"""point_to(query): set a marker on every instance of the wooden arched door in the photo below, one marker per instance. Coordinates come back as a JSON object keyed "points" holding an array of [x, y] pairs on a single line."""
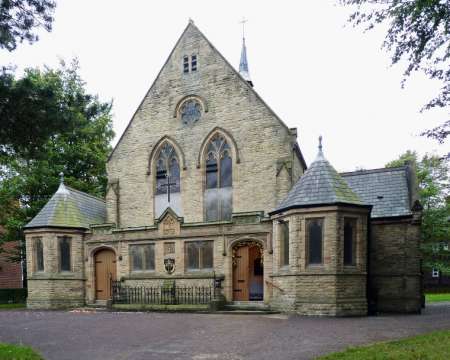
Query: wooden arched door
{"points": [[105, 271], [248, 273]]}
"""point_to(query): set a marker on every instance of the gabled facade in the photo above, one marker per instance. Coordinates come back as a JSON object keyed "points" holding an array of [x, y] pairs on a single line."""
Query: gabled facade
{"points": [[205, 184]]}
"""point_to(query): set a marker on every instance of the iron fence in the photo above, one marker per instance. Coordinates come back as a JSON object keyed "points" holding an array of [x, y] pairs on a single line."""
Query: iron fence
{"points": [[161, 295]]}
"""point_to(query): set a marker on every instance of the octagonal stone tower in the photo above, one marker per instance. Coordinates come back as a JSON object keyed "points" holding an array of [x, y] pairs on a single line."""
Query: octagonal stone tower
{"points": [[320, 248], [54, 243]]}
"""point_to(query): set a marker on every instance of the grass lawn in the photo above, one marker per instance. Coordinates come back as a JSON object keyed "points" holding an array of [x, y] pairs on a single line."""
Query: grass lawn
{"points": [[15, 352], [432, 346], [12, 306], [437, 297]]}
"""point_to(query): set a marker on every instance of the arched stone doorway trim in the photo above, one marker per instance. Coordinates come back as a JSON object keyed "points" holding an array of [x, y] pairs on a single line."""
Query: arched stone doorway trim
{"points": [[247, 269], [95, 250]]}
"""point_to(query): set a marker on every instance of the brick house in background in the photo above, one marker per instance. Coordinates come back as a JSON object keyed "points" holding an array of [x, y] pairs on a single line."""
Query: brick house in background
{"points": [[11, 274], [208, 183]]}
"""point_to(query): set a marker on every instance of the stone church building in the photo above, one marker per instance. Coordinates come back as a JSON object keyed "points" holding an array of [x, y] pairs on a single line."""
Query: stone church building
{"points": [[206, 183]]}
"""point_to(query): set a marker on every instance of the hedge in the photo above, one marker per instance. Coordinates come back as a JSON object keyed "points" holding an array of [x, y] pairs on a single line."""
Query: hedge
{"points": [[16, 296]]}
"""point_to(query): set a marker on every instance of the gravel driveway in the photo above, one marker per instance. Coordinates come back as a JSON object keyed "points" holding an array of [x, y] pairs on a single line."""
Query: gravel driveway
{"points": [[61, 335]]}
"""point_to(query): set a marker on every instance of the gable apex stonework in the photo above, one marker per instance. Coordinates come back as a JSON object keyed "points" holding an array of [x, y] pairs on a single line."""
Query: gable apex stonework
{"points": [[190, 31]]}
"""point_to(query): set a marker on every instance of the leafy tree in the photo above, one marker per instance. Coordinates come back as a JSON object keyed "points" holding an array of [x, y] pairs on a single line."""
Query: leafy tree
{"points": [[434, 193], [74, 139], [18, 19], [418, 32]]}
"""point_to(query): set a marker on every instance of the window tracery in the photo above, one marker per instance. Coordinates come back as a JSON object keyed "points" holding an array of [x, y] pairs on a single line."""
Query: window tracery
{"points": [[167, 179], [219, 173]]}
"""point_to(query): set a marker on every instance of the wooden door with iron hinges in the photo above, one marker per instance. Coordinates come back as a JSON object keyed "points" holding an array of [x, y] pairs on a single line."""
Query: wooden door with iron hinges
{"points": [[105, 272]]}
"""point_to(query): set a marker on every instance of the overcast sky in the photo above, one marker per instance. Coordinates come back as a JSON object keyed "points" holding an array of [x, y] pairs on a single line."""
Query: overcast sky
{"points": [[317, 73]]}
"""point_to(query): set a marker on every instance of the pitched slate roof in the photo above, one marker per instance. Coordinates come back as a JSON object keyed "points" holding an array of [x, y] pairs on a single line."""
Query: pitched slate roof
{"points": [[386, 189], [70, 208], [319, 185]]}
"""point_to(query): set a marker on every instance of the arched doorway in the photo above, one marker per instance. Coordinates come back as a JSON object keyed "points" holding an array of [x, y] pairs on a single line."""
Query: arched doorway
{"points": [[248, 272], [105, 272]]}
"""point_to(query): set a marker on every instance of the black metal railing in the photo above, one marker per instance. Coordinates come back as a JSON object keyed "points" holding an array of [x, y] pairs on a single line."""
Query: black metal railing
{"points": [[161, 295]]}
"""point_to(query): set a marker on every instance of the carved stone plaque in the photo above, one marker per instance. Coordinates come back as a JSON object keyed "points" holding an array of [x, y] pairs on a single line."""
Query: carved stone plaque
{"points": [[170, 226]]}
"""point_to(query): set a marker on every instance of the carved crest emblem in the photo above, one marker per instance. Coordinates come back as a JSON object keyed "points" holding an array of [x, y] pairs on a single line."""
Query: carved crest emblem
{"points": [[169, 264], [190, 111]]}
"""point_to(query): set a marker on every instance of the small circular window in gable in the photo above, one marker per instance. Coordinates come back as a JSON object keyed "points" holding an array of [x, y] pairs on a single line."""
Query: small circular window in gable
{"points": [[190, 111]]}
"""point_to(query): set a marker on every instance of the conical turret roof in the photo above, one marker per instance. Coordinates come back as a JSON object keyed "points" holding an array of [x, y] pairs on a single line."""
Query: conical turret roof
{"points": [[70, 208], [319, 185]]}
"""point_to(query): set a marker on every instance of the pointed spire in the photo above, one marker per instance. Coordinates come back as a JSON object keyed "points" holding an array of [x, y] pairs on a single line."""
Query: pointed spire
{"points": [[243, 64], [320, 153]]}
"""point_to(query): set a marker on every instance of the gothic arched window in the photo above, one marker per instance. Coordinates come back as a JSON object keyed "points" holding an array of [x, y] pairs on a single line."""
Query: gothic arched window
{"points": [[218, 189], [167, 192]]}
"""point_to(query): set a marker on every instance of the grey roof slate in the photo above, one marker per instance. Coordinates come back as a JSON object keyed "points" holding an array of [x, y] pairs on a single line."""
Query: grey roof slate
{"points": [[386, 189], [70, 208], [320, 184]]}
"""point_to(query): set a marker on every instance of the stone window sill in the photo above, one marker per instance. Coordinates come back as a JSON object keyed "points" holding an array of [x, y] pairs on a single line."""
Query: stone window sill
{"points": [[320, 267], [206, 271]]}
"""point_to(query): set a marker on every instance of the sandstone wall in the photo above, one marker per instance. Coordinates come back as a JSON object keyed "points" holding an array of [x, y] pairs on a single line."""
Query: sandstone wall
{"points": [[261, 138], [395, 265]]}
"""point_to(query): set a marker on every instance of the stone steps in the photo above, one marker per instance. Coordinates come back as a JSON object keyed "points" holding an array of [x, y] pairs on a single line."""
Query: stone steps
{"points": [[248, 307]]}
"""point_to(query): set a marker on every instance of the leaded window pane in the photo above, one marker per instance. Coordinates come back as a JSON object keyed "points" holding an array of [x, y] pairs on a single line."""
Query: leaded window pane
{"points": [[39, 255], [167, 165], [193, 256], [225, 171], [226, 207], [65, 253], [175, 176], [349, 241], [149, 256], [207, 255], [219, 175], [136, 258], [200, 255], [315, 240], [142, 257], [211, 173], [212, 204], [284, 227]]}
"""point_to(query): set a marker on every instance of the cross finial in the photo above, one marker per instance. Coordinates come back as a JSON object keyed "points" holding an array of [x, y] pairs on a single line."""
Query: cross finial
{"points": [[61, 177], [243, 21], [320, 143]]}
